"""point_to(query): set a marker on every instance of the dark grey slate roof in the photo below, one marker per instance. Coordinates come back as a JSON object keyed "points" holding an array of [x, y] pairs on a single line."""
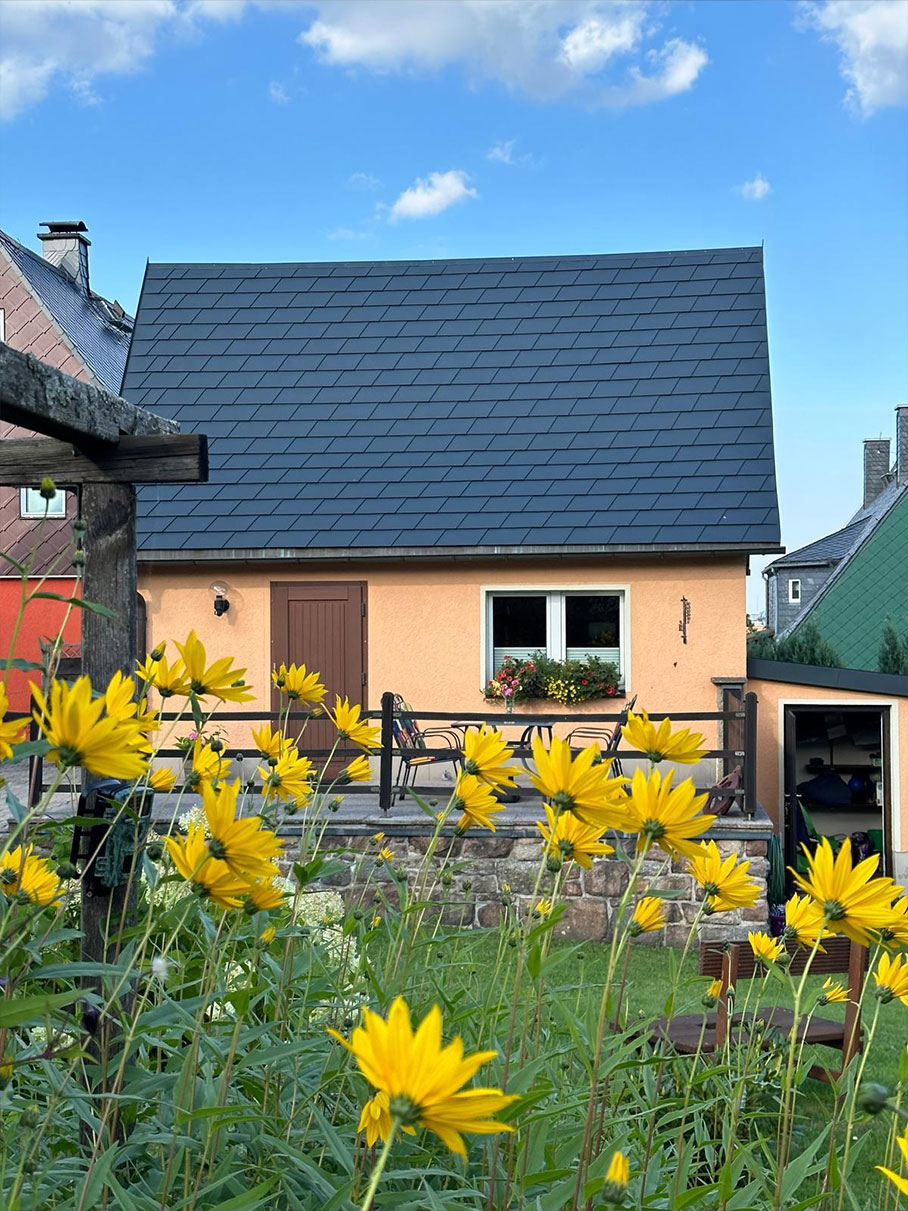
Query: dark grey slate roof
{"points": [[564, 402], [100, 340], [825, 550]]}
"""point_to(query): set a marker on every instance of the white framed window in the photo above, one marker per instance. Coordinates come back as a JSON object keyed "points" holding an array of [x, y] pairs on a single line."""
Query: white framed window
{"points": [[565, 624], [2, 324], [794, 592], [33, 504]]}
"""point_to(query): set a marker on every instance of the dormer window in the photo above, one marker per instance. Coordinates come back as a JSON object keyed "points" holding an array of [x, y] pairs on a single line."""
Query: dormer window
{"points": [[794, 592]]}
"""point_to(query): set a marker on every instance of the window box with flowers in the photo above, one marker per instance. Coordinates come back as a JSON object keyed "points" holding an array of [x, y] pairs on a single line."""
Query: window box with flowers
{"points": [[565, 645], [564, 681]]}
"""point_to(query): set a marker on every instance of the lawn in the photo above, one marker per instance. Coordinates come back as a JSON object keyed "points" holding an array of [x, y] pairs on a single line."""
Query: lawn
{"points": [[470, 957]]}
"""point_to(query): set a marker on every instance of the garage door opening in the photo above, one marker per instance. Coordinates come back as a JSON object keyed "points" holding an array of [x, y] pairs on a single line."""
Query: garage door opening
{"points": [[837, 781]]}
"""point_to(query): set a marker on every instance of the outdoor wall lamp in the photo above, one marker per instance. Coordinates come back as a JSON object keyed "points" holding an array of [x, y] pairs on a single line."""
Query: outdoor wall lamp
{"points": [[221, 604]]}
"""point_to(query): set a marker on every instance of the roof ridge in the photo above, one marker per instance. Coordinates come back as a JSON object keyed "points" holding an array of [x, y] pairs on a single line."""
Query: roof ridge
{"points": [[474, 260]]}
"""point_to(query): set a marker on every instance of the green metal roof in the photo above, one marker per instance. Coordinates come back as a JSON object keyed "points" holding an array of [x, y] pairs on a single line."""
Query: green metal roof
{"points": [[868, 587]]}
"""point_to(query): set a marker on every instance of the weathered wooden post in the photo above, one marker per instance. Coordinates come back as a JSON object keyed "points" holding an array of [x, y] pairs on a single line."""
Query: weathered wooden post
{"points": [[101, 446]]}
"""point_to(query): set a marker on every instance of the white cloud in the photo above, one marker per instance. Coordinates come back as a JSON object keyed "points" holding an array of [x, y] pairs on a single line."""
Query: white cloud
{"points": [[351, 233], [872, 37], [547, 48], [44, 39], [277, 93], [432, 195], [603, 52], [364, 181], [756, 189]]}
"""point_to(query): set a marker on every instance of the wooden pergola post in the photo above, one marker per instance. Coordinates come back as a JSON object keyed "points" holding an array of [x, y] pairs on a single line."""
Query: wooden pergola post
{"points": [[99, 444]]}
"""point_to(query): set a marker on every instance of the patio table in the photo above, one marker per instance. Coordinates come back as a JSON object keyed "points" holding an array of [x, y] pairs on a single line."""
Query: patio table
{"points": [[543, 730]]}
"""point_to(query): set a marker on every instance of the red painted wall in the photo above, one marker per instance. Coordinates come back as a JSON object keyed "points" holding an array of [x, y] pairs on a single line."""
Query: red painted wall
{"points": [[42, 620]]}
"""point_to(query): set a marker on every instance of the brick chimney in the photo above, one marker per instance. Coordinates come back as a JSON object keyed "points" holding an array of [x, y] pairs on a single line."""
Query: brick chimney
{"points": [[66, 246], [901, 444], [876, 467]]}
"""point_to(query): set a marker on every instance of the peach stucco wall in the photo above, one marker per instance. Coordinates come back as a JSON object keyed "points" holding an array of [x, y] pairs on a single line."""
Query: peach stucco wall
{"points": [[773, 695], [425, 621]]}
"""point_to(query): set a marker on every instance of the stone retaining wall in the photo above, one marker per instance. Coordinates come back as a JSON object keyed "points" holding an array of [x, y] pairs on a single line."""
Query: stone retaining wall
{"points": [[487, 871]]}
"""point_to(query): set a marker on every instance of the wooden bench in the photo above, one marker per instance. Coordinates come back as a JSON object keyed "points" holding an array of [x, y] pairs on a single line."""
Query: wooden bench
{"points": [[734, 962]]}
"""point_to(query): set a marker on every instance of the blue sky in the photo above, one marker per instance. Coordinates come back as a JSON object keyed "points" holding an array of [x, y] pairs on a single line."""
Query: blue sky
{"points": [[231, 130]]}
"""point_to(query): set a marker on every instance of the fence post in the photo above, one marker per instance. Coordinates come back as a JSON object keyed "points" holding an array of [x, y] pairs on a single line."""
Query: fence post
{"points": [[386, 758], [35, 765], [750, 754]]}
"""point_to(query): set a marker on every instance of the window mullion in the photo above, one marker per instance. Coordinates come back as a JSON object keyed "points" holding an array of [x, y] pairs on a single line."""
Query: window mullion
{"points": [[556, 650]]}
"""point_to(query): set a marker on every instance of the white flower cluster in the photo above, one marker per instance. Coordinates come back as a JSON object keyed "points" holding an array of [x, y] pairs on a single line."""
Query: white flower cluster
{"points": [[193, 815], [322, 912]]}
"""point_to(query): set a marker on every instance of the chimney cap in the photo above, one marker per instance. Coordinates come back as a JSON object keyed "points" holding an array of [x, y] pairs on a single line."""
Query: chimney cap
{"points": [[61, 226], [63, 229]]}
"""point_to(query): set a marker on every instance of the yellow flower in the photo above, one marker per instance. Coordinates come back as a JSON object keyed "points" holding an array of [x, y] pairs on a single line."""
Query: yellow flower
{"points": [[243, 844], [766, 949], [895, 931], [264, 894], [12, 731], [212, 878], [219, 679], [163, 779], [298, 684], [270, 743], [852, 901], [581, 785], [664, 815], [289, 779], [424, 1080], [616, 1179], [832, 993], [543, 909], [27, 878], [891, 978], [712, 994], [71, 722], [170, 680], [120, 703], [346, 719], [358, 770], [724, 881], [485, 755], [375, 1119], [568, 838], [387, 854], [900, 1183], [208, 766], [378, 837], [266, 937], [476, 799], [804, 922], [649, 915], [661, 743]]}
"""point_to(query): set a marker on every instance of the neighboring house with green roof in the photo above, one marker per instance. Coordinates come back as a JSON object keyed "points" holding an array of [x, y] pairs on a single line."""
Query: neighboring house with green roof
{"points": [[851, 581]]}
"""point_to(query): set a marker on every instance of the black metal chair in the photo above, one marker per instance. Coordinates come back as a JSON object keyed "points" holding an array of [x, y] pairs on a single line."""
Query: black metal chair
{"points": [[590, 734], [410, 739]]}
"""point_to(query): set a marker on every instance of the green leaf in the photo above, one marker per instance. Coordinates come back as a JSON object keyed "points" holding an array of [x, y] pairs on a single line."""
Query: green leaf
{"points": [[17, 808], [93, 607], [16, 1011], [24, 666], [30, 748], [534, 961], [252, 1198]]}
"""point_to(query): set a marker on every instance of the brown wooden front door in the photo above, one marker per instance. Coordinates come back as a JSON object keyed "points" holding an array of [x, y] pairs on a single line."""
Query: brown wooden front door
{"points": [[322, 625]]}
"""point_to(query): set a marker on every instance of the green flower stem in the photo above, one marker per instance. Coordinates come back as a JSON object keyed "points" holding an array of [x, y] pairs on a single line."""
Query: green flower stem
{"points": [[379, 1169], [849, 1125]]}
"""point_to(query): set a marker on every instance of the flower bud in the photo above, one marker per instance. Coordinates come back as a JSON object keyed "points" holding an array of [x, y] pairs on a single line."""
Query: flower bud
{"points": [[78, 560], [48, 488], [872, 1098], [66, 870], [31, 1116], [155, 850]]}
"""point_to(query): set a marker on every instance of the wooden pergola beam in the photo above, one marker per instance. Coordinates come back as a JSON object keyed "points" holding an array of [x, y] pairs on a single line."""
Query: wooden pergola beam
{"points": [[37, 396], [166, 458]]}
